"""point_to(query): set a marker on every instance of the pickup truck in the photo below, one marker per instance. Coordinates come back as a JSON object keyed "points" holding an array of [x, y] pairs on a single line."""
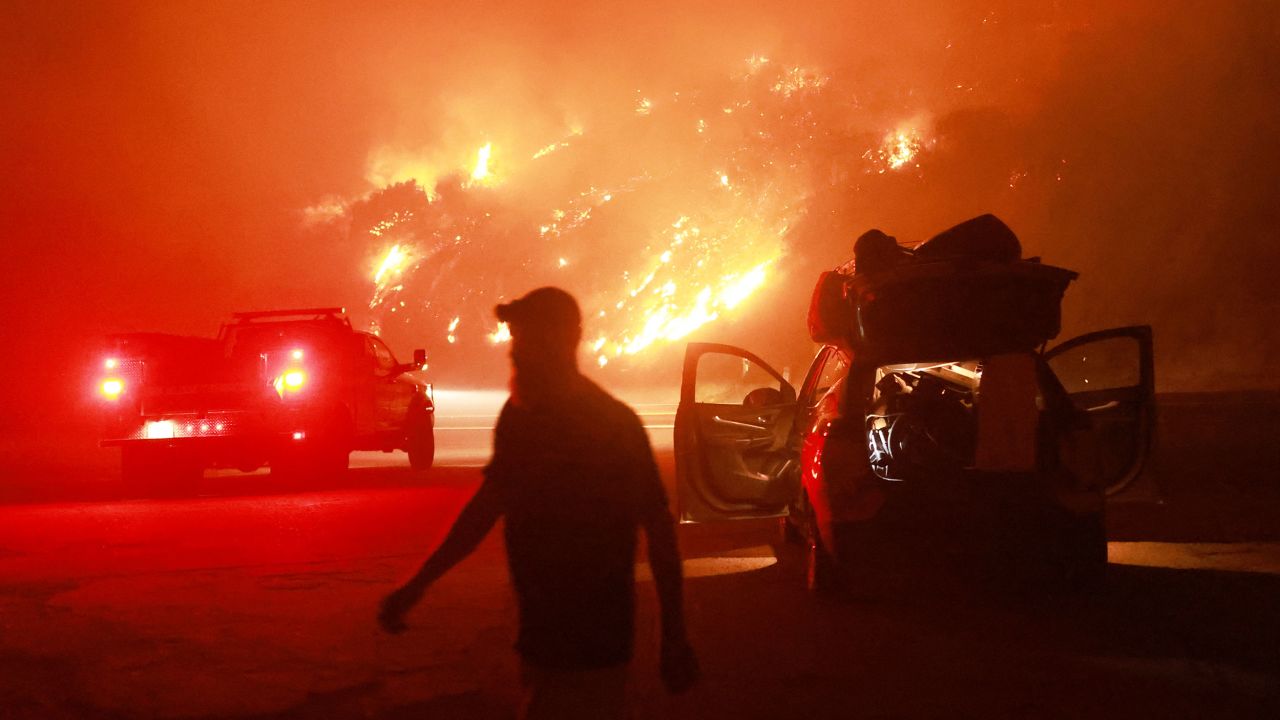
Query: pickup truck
{"points": [[297, 390]]}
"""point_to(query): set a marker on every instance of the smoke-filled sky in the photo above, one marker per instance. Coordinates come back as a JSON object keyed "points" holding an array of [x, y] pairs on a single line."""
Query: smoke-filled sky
{"points": [[168, 163]]}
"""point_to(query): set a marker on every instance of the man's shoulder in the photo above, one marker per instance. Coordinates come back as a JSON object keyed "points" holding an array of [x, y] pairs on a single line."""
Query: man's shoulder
{"points": [[609, 407]]}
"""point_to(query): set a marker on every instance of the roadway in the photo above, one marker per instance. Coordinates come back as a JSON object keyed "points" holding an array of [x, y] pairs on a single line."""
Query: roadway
{"points": [[247, 598]]}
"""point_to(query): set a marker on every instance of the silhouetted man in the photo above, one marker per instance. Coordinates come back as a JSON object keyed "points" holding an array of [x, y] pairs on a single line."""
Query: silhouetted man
{"points": [[573, 475]]}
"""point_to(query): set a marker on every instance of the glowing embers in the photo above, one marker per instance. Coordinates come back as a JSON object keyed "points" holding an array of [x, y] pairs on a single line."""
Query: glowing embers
{"points": [[797, 80], [899, 150]]}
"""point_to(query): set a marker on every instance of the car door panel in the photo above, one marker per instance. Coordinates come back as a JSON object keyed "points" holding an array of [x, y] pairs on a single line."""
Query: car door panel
{"points": [[733, 459], [1109, 378]]}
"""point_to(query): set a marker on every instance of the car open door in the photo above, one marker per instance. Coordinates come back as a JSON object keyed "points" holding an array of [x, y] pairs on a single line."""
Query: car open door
{"points": [[1110, 377], [732, 433]]}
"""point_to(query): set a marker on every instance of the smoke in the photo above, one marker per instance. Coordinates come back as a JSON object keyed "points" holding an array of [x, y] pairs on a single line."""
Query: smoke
{"points": [[160, 161], [1120, 142]]}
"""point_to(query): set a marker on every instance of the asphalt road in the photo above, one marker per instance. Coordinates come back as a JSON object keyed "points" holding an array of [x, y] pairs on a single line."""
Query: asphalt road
{"points": [[246, 598]]}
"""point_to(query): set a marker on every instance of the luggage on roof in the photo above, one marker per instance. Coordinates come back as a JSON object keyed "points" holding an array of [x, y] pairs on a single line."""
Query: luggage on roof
{"points": [[965, 293]]}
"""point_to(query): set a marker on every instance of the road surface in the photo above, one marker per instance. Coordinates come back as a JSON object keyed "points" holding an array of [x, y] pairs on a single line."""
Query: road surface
{"points": [[245, 598]]}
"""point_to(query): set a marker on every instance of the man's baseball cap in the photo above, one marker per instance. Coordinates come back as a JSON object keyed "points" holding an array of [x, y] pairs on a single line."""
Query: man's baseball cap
{"points": [[544, 309]]}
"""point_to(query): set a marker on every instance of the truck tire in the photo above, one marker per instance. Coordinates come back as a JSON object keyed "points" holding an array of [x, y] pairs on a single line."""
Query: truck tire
{"points": [[420, 441]]}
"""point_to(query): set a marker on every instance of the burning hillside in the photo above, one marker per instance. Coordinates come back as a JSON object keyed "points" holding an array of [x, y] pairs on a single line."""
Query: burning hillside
{"points": [[670, 216]]}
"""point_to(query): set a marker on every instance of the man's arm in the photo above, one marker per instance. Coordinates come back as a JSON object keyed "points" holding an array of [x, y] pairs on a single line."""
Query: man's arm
{"points": [[473, 523], [664, 559], [679, 665]]}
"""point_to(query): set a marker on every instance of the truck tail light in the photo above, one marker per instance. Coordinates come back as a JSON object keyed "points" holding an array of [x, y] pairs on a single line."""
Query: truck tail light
{"points": [[117, 377], [290, 382], [112, 388], [290, 371]]}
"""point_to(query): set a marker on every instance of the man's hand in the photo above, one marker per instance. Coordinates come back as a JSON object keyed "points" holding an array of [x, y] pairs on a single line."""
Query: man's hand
{"points": [[679, 666], [395, 606]]}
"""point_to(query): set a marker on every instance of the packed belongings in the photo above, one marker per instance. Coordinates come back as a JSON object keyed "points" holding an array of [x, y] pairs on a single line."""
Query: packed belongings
{"points": [[965, 293]]}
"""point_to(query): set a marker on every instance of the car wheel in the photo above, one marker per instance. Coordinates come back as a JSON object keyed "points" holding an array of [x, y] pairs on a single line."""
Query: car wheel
{"points": [[420, 441]]}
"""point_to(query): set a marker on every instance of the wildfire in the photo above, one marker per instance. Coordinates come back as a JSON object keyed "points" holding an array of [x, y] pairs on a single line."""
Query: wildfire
{"points": [[655, 244], [480, 173], [797, 80], [500, 335], [671, 320], [387, 276], [392, 262], [900, 149]]}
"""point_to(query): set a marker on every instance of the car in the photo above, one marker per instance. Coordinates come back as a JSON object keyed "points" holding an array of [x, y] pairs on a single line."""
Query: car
{"points": [[933, 417], [296, 389]]}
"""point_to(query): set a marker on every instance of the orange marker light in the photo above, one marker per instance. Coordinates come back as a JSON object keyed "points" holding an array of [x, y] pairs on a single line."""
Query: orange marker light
{"points": [[112, 388], [294, 379]]}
